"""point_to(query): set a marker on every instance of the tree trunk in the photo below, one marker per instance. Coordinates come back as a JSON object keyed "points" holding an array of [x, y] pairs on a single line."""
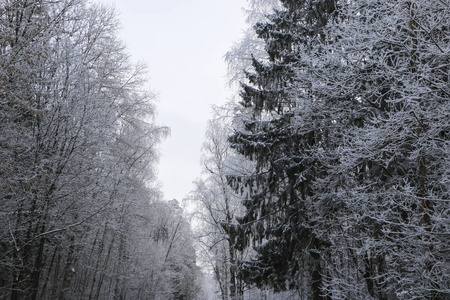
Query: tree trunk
{"points": [[316, 278]]}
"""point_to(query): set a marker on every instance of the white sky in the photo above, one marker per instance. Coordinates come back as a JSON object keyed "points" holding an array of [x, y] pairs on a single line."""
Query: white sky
{"points": [[183, 43]]}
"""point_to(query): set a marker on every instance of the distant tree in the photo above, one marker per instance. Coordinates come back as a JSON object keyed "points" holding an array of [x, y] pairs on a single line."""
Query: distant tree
{"points": [[174, 273], [217, 208]]}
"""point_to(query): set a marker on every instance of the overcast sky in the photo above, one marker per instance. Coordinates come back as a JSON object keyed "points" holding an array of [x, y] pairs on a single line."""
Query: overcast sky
{"points": [[183, 44]]}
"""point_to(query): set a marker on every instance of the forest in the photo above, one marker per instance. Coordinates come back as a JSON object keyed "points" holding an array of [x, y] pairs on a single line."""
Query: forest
{"points": [[327, 177]]}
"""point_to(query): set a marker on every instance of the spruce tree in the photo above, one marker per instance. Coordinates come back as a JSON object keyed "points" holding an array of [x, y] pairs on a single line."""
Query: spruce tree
{"points": [[347, 121], [271, 134]]}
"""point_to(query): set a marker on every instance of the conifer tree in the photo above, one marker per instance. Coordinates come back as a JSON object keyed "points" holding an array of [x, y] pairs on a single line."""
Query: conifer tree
{"points": [[348, 125], [287, 252]]}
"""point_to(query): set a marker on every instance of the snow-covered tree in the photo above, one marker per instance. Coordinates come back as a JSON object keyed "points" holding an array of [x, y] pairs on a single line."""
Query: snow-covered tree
{"points": [[170, 260], [347, 120], [276, 221], [220, 241], [239, 57], [77, 154], [217, 208], [387, 63]]}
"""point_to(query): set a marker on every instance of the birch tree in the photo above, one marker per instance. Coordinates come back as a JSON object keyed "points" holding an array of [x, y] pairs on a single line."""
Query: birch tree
{"points": [[218, 206], [77, 151]]}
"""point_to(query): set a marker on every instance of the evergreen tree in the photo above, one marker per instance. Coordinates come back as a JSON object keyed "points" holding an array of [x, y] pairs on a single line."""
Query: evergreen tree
{"points": [[269, 133], [348, 125]]}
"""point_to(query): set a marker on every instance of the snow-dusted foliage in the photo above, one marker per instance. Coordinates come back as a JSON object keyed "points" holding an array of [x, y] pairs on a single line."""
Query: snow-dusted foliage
{"points": [[216, 209], [77, 157], [347, 120], [287, 251], [221, 242], [239, 58], [387, 63]]}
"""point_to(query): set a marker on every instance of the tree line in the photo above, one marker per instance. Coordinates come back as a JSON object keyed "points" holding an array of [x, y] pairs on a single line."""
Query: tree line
{"points": [[80, 214], [329, 177]]}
